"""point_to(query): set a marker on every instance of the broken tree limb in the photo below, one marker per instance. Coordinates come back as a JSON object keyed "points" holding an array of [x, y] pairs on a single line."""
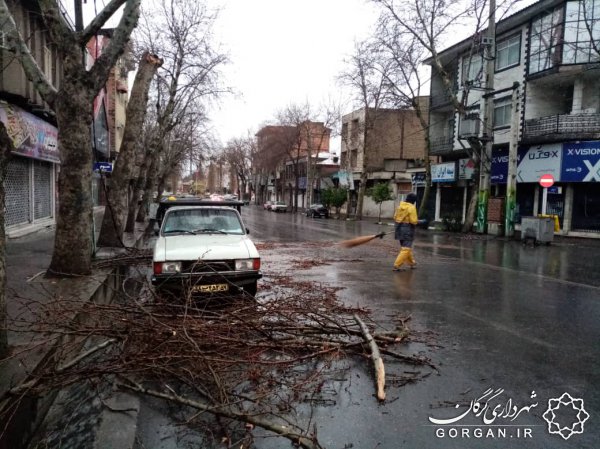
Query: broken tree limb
{"points": [[227, 412], [376, 357]]}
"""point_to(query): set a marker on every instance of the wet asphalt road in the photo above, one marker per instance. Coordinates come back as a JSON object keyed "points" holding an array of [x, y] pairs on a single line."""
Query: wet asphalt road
{"points": [[490, 314]]}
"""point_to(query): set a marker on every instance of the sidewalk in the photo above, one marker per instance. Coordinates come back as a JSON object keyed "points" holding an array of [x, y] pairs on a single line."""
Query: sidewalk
{"points": [[27, 258]]}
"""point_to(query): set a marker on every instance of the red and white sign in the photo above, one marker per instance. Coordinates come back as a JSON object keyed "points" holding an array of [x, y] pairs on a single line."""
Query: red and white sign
{"points": [[547, 180]]}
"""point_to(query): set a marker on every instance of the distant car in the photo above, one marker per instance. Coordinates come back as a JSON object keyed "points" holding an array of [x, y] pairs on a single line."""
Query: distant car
{"points": [[317, 210], [267, 205], [279, 206]]}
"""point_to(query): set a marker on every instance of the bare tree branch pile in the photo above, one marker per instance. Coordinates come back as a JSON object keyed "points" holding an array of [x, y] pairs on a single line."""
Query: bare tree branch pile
{"points": [[248, 361]]}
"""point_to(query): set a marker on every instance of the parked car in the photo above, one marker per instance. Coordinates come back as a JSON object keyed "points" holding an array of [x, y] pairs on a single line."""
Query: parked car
{"points": [[267, 205], [204, 250], [279, 206], [317, 210]]}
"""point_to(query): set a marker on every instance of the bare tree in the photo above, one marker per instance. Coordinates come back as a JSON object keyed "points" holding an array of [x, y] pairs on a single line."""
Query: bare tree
{"points": [[6, 148], [400, 57], [71, 103], [181, 31], [306, 134], [369, 84], [428, 24], [111, 233], [238, 154]]}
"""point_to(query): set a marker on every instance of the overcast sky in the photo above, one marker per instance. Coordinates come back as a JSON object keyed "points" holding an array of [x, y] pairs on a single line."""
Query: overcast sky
{"points": [[282, 52]]}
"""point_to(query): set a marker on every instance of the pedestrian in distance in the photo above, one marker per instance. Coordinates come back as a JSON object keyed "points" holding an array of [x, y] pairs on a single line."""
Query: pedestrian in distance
{"points": [[406, 221]]}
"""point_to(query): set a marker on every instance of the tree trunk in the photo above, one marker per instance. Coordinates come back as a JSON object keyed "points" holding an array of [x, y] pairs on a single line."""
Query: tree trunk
{"points": [[111, 233], [148, 188], [472, 209], [73, 238], [362, 188], [133, 202], [6, 147]]}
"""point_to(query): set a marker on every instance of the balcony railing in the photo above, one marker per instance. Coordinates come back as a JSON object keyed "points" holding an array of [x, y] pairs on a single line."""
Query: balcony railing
{"points": [[440, 145], [440, 100], [562, 126]]}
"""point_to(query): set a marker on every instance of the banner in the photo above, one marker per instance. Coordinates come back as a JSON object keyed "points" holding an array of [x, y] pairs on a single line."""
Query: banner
{"points": [[581, 162], [443, 172], [499, 169], [538, 160], [466, 168], [31, 136]]}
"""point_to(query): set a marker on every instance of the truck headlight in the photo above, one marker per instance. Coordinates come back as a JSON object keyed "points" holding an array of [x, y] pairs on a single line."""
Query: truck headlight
{"points": [[247, 264]]}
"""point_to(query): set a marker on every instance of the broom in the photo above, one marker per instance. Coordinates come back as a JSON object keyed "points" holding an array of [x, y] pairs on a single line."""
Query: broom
{"points": [[362, 240]]}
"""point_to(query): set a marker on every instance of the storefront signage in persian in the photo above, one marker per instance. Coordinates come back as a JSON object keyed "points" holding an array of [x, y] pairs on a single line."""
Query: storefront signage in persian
{"points": [[466, 168], [31, 136], [418, 179], [539, 160], [443, 172], [581, 162]]}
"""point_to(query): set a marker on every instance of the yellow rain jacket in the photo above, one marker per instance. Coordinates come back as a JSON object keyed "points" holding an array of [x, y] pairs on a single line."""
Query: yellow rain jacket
{"points": [[406, 213]]}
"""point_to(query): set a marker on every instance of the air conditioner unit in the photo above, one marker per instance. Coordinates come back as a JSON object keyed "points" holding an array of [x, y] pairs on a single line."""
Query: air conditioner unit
{"points": [[469, 127]]}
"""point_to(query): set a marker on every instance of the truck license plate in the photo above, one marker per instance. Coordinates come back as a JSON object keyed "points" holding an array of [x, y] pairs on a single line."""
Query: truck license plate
{"points": [[211, 288]]}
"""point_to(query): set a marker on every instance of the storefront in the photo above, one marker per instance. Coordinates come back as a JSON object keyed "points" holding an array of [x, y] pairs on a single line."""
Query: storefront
{"points": [[575, 195], [452, 180], [30, 184]]}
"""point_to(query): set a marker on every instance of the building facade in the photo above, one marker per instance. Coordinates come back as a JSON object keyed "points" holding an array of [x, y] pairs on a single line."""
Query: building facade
{"points": [[30, 184], [290, 164], [394, 153], [551, 49]]}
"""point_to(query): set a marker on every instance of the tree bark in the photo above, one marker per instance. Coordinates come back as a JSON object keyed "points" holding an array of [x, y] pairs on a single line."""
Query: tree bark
{"points": [[73, 239], [6, 147], [150, 182], [111, 233]]}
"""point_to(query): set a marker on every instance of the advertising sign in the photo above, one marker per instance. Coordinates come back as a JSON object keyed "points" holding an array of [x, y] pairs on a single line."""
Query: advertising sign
{"points": [[103, 167], [499, 170], [538, 160], [31, 136], [418, 179], [466, 167], [581, 162], [443, 172]]}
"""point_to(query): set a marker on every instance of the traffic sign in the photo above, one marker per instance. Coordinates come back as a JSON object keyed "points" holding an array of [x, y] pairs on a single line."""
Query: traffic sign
{"points": [[547, 180], [103, 167]]}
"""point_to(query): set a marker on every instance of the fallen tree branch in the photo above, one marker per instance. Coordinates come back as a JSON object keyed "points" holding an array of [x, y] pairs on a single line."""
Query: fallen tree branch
{"points": [[226, 412], [376, 357]]}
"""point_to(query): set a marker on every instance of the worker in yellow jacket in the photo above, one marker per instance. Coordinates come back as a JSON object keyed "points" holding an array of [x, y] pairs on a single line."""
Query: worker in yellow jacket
{"points": [[406, 221]]}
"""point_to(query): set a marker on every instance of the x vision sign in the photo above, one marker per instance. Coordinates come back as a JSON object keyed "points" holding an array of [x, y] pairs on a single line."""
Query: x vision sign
{"points": [[581, 162]]}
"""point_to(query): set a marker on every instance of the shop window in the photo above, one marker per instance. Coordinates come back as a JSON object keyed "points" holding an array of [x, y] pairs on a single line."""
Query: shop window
{"points": [[586, 207], [525, 199]]}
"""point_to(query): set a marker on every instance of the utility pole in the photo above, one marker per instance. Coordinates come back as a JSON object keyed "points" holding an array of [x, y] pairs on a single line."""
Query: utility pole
{"points": [[511, 182], [78, 16], [488, 121]]}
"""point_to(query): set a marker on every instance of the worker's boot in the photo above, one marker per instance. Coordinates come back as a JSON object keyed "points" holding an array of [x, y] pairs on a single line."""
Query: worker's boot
{"points": [[403, 256], [411, 259]]}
